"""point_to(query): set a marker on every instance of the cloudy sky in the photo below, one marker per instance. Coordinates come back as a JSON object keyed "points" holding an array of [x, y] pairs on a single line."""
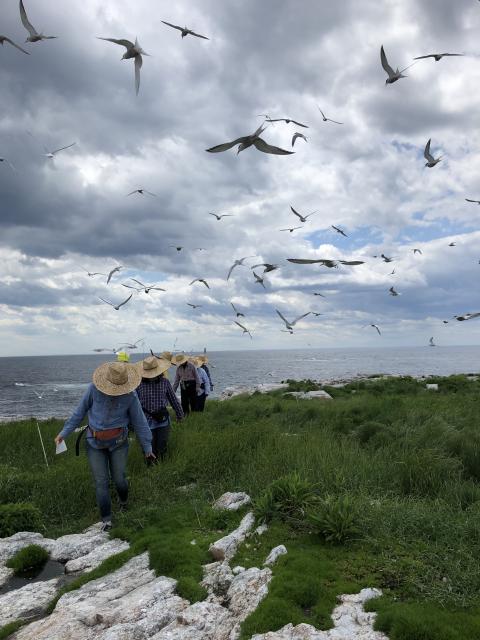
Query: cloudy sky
{"points": [[277, 57]]}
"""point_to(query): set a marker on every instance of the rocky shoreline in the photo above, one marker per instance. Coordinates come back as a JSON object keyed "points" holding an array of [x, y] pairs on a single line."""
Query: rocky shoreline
{"points": [[132, 603]]}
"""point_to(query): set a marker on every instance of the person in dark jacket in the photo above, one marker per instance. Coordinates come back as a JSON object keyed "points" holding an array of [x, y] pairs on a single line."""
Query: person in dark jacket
{"points": [[189, 381], [203, 359], [154, 393]]}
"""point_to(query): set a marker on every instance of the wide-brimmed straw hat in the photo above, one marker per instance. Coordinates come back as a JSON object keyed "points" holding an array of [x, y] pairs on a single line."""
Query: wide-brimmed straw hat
{"points": [[195, 360], [116, 378], [152, 366], [166, 355], [179, 359], [203, 359]]}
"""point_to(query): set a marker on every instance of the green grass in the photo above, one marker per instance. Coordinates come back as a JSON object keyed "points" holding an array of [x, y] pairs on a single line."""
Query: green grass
{"points": [[393, 469]]}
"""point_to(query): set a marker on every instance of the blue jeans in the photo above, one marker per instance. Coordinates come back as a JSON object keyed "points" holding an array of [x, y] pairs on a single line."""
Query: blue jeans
{"points": [[103, 464]]}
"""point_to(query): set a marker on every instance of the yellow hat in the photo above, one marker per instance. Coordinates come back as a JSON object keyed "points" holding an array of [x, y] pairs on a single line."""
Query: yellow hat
{"points": [[123, 356]]}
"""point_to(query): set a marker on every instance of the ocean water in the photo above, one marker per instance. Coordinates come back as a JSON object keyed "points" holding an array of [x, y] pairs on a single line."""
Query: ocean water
{"points": [[61, 380]]}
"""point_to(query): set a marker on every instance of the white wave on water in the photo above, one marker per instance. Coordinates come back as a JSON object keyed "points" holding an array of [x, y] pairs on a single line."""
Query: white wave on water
{"points": [[22, 384]]}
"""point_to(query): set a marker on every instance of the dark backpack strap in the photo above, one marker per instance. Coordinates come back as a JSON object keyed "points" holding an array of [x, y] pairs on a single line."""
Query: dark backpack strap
{"points": [[77, 443]]}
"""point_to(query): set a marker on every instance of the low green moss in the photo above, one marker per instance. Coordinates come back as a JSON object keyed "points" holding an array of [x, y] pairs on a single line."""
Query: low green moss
{"points": [[31, 559], [412, 621]]}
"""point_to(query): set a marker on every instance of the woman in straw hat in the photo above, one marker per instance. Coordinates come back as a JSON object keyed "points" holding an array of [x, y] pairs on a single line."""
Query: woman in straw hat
{"points": [[111, 405], [154, 392], [189, 381]]}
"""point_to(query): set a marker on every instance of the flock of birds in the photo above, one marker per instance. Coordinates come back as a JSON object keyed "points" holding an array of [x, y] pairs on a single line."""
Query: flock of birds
{"points": [[133, 51]]}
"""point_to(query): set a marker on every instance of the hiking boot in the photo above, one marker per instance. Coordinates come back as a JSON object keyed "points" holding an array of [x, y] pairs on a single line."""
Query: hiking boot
{"points": [[123, 507], [107, 526]]}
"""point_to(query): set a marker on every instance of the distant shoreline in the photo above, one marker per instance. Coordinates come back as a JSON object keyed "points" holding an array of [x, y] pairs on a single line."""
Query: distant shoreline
{"points": [[326, 383]]}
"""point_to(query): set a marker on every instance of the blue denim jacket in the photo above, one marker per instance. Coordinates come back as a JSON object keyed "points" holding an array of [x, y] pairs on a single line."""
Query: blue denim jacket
{"points": [[109, 412]]}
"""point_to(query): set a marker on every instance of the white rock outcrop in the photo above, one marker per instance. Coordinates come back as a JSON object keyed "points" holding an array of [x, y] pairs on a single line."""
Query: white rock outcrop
{"points": [[309, 395], [82, 552], [226, 547], [240, 390], [232, 501], [131, 598], [27, 602], [87, 563], [275, 554]]}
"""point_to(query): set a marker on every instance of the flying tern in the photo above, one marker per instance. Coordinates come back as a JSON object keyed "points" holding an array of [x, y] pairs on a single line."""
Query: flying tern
{"points": [[475, 201], [325, 119], [237, 263], [268, 267], [438, 56], [101, 349], [247, 141], [291, 229], [393, 292], [4, 39], [200, 280], [245, 330], [133, 50], [220, 216], [194, 306], [117, 306], [393, 76], [298, 135], [185, 31], [431, 161], [93, 273], [338, 230], [142, 192], [467, 316], [238, 313], [431, 342], [417, 251], [51, 154], [259, 280], [34, 35], [290, 325], [375, 327], [287, 120], [144, 287], [323, 261], [114, 270], [302, 218]]}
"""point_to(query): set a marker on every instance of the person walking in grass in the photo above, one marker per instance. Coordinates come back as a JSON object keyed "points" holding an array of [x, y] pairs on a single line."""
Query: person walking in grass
{"points": [[204, 391], [112, 405], [189, 381], [154, 392], [204, 365]]}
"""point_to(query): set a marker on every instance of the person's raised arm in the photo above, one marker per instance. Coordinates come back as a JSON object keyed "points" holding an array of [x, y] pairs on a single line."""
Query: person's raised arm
{"points": [[77, 416]]}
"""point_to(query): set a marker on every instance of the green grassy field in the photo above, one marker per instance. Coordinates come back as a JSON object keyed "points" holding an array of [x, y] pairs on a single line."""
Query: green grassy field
{"points": [[380, 487]]}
